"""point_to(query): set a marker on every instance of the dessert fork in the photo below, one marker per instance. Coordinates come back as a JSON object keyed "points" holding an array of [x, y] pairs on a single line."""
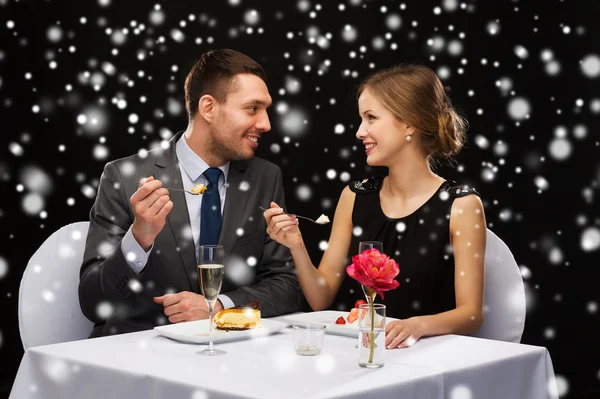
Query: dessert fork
{"points": [[301, 217], [179, 189]]}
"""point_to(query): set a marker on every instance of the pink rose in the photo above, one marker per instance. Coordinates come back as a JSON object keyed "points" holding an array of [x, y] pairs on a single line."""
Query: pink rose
{"points": [[374, 270]]}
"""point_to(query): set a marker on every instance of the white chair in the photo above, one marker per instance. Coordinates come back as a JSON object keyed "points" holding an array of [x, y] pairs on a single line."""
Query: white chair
{"points": [[49, 309], [504, 296]]}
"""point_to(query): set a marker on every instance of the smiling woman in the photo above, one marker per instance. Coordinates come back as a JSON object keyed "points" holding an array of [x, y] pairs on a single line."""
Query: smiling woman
{"points": [[407, 121]]}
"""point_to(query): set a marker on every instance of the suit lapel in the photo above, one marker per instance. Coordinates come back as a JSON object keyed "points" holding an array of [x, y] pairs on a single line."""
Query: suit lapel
{"points": [[235, 203], [179, 219]]}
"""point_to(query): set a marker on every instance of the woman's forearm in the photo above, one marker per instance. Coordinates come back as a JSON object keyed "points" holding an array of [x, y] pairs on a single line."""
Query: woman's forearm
{"points": [[314, 286], [463, 320]]}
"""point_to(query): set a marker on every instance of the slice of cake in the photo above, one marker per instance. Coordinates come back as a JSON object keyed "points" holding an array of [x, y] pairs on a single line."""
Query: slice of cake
{"points": [[238, 318]]}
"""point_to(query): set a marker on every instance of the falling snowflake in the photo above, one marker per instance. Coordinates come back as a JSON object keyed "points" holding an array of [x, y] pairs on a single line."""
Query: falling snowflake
{"points": [[349, 33], [203, 394], [493, 28], [560, 149], [36, 180], [590, 66], [54, 34], [590, 239], [244, 186], [135, 286], [48, 296], [525, 272], [521, 52], [325, 364], [104, 310], [293, 122], [460, 392], [558, 386], [339, 128], [519, 108], [33, 204], [57, 370], [304, 192], [239, 271]]}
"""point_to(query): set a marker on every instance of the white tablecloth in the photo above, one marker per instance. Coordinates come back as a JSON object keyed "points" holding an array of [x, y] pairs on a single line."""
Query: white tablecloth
{"points": [[147, 365]]}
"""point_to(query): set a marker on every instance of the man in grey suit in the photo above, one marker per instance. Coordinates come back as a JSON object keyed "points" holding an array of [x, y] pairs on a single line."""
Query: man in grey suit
{"points": [[140, 263]]}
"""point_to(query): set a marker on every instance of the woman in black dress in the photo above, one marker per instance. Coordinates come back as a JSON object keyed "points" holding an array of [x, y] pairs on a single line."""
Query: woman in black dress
{"points": [[435, 229]]}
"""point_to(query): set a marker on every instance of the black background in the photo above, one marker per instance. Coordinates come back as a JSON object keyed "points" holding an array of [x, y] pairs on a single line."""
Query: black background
{"points": [[543, 227]]}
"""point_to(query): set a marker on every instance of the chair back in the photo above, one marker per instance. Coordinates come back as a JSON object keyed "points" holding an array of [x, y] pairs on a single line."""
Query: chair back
{"points": [[504, 305], [49, 310]]}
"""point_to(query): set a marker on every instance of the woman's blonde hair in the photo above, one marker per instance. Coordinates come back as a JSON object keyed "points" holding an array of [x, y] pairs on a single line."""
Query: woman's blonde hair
{"points": [[416, 96]]}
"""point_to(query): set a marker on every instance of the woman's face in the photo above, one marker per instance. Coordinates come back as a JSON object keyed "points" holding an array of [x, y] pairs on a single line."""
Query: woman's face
{"points": [[382, 134]]}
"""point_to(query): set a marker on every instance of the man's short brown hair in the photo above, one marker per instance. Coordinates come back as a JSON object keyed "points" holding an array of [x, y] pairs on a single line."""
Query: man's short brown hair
{"points": [[213, 74]]}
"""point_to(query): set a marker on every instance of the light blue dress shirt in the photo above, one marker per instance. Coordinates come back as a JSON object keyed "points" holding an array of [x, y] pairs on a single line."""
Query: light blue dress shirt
{"points": [[192, 167]]}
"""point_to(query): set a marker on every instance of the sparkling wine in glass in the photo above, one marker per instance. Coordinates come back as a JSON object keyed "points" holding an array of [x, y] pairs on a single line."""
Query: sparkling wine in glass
{"points": [[210, 272]]}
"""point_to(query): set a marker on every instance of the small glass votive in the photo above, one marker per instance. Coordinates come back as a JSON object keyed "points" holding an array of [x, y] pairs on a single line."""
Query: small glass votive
{"points": [[308, 338]]}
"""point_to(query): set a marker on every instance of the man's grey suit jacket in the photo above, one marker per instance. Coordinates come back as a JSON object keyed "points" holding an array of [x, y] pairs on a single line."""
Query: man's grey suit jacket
{"points": [[109, 286]]}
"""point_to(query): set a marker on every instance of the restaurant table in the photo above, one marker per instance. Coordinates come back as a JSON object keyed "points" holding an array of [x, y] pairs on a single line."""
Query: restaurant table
{"points": [[148, 365]]}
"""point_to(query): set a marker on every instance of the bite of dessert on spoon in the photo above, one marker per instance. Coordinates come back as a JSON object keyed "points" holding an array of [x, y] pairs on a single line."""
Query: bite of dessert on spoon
{"points": [[196, 190], [323, 219]]}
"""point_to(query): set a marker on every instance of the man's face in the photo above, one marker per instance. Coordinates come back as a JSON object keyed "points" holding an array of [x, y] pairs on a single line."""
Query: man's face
{"points": [[241, 120]]}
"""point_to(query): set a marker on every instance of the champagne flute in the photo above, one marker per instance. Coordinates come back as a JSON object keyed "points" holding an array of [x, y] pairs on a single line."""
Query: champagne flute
{"points": [[210, 272], [364, 245]]}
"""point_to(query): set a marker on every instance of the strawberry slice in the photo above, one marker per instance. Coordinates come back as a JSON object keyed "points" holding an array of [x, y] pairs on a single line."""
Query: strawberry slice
{"points": [[340, 320], [353, 315], [360, 302]]}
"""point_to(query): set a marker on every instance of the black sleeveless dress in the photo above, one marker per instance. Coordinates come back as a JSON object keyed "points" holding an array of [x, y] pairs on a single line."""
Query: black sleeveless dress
{"points": [[419, 242]]}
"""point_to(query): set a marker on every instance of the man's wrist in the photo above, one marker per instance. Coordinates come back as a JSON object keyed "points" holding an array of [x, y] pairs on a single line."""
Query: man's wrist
{"points": [[143, 243]]}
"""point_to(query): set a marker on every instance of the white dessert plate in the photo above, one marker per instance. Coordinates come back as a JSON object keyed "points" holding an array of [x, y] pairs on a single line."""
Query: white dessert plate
{"points": [[197, 332], [328, 318]]}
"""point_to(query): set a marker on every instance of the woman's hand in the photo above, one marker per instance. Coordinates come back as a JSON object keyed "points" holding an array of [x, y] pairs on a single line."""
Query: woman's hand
{"points": [[283, 228], [403, 333]]}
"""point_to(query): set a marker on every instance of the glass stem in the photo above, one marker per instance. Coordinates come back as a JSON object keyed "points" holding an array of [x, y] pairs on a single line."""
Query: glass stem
{"points": [[210, 323]]}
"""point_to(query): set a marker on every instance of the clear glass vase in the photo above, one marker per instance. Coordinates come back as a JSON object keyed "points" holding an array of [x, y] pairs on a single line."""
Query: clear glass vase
{"points": [[371, 335]]}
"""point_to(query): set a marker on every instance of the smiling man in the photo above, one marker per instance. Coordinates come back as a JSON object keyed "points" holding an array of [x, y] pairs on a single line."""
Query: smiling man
{"points": [[140, 264]]}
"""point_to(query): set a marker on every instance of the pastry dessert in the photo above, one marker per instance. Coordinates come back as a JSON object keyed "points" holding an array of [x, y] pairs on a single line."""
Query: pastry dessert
{"points": [[238, 318], [323, 219], [198, 189]]}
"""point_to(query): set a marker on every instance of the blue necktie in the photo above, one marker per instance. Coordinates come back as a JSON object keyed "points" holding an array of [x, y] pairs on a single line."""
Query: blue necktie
{"points": [[210, 212]]}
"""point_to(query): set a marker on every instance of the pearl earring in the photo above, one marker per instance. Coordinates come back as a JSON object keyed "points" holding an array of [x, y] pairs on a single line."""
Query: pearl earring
{"points": [[408, 138]]}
